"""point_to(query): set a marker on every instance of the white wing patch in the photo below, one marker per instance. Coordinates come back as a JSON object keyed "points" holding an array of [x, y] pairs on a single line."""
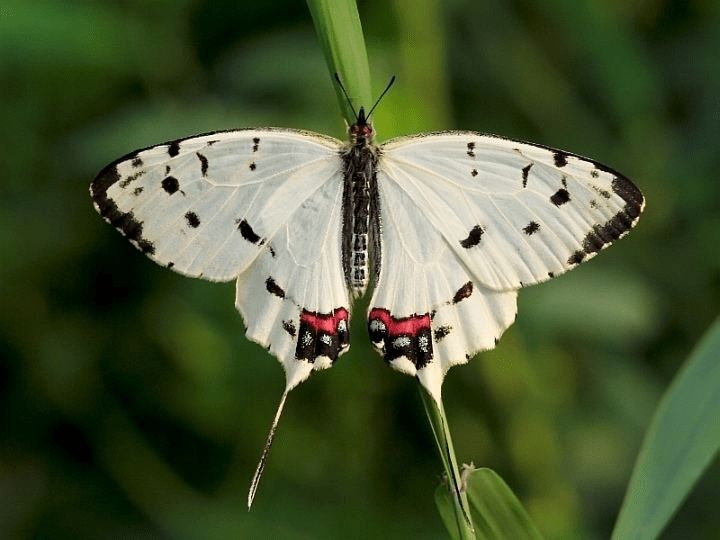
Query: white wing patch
{"points": [[467, 220], [515, 214], [206, 206], [427, 314], [296, 303], [262, 206]]}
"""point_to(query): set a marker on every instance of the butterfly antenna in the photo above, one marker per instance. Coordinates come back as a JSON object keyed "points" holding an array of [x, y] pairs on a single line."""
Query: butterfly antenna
{"points": [[340, 84], [392, 80], [263, 458]]}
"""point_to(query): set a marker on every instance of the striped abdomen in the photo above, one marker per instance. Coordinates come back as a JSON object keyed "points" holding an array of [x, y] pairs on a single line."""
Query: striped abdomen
{"points": [[360, 191]]}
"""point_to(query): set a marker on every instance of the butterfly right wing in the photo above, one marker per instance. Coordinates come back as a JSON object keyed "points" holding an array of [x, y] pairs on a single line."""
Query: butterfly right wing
{"points": [[259, 205]]}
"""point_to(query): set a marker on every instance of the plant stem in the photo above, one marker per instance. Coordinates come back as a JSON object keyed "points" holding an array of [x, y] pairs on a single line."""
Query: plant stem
{"points": [[337, 24], [438, 421]]}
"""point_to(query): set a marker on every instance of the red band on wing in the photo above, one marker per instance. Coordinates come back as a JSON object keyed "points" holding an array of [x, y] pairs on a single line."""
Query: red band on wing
{"points": [[325, 322], [404, 325]]}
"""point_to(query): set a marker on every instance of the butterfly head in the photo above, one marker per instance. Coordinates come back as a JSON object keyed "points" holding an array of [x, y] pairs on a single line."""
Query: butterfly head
{"points": [[361, 130]]}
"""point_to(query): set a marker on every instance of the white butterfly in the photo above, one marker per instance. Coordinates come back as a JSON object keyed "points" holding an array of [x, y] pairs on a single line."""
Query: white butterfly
{"points": [[448, 226]]}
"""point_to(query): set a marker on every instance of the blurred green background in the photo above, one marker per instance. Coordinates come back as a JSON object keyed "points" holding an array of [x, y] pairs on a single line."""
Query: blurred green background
{"points": [[131, 405]]}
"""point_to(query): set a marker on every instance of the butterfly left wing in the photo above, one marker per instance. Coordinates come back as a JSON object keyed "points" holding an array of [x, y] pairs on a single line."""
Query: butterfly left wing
{"points": [[262, 206], [293, 297], [467, 220]]}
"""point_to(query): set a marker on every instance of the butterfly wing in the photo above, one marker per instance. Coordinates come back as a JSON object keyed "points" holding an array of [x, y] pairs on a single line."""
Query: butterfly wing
{"points": [[467, 220], [259, 205]]}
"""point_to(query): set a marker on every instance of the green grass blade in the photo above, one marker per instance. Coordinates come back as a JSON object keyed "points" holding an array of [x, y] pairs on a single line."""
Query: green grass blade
{"points": [[337, 24], [683, 438], [460, 523], [446, 508], [496, 511]]}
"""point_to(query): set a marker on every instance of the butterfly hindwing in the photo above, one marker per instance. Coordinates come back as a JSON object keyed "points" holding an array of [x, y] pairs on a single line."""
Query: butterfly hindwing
{"points": [[428, 311], [294, 299]]}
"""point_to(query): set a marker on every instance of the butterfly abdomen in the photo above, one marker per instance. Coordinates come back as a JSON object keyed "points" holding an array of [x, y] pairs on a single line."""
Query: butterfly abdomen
{"points": [[360, 162]]}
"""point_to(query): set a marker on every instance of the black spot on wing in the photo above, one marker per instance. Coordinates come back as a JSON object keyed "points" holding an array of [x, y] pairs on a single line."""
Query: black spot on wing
{"points": [[473, 238], [576, 258], [289, 327], [628, 192], [474, 172], [105, 178], [602, 192], [170, 184], [125, 222], [192, 220], [463, 292], [531, 228], [170, 264], [256, 144], [253, 166], [594, 173], [174, 148], [442, 332], [247, 232], [603, 234], [125, 183], [525, 172], [146, 246], [137, 162], [274, 288], [138, 190], [560, 158], [560, 197], [551, 275], [470, 149], [203, 163]]}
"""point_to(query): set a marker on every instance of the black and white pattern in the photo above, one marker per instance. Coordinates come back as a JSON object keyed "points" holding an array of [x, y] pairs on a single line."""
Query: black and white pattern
{"points": [[448, 226]]}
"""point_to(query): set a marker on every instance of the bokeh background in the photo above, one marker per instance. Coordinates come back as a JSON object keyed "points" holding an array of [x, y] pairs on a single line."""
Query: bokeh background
{"points": [[131, 405]]}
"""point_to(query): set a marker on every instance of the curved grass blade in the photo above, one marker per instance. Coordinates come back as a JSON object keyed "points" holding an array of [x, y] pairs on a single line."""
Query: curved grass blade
{"points": [[337, 24], [682, 440], [495, 510]]}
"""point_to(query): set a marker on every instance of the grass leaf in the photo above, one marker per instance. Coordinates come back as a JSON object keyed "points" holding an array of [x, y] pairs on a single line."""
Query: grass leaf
{"points": [[682, 440], [496, 511]]}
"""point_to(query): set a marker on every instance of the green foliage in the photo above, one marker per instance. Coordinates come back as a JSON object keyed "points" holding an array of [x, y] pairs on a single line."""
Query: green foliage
{"points": [[682, 440], [131, 404], [338, 27], [496, 512]]}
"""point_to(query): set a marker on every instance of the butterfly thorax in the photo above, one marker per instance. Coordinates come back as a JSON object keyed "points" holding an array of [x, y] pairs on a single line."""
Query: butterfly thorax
{"points": [[361, 234]]}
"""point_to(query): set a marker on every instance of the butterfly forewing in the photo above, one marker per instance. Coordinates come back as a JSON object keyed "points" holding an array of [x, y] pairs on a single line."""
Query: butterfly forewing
{"points": [[514, 213], [206, 206]]}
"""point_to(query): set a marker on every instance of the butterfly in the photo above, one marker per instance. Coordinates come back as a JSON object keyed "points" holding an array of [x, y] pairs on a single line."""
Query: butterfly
{"points": [[444, 227]]}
